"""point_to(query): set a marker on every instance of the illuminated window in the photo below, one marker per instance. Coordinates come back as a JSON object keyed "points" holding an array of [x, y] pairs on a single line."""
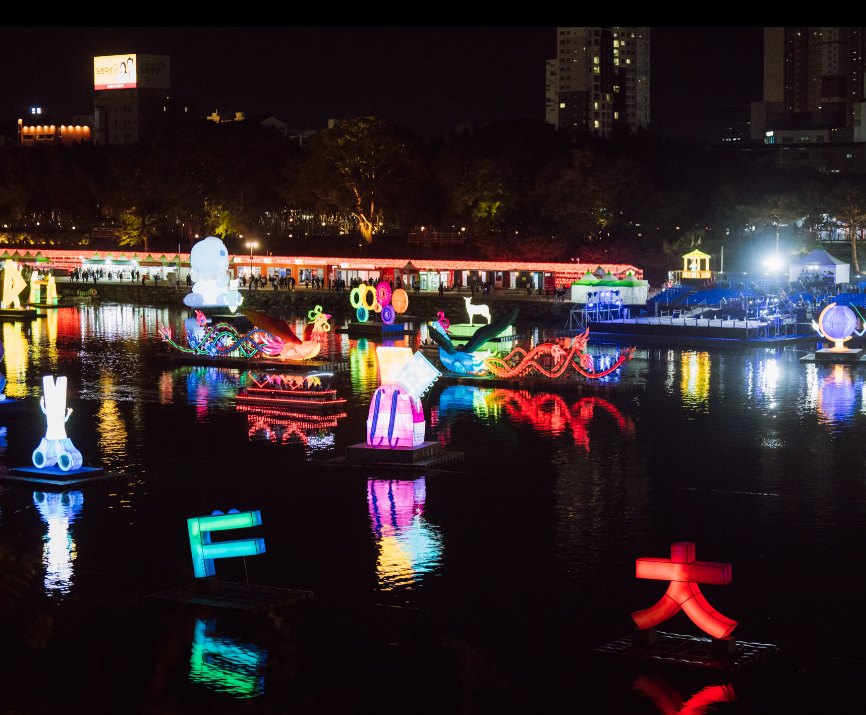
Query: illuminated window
{"points": [[562, 105], [596, 69], [596, 105], [616, 115], [597, 124], [616, 43], [616, 88], [595, 60]]}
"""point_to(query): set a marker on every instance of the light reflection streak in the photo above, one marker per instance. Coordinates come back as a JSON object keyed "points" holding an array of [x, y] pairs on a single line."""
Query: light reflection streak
{"points": [[768, 379], [836, 396], [695, 378], [670, 701], [110, 423], [205, 385], [546, 412], [226, 665], [16, 348], [273, 425], [58, 511], [408, 546]]}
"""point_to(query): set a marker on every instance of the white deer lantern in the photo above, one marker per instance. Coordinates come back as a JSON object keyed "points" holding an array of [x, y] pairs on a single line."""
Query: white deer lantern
{"points": [[56, 447]]}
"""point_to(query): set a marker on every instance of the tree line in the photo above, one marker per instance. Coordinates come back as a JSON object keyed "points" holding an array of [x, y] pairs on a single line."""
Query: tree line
{"points": [[516, 189]]}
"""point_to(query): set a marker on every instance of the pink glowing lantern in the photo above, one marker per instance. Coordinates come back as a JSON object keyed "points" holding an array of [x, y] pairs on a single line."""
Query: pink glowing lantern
{"points": [[396, 416], [395, 419], [685, 574]]}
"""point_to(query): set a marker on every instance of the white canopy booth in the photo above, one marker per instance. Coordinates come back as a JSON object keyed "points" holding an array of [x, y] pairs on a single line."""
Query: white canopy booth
{"points": [[631, 290], [820, 263]]}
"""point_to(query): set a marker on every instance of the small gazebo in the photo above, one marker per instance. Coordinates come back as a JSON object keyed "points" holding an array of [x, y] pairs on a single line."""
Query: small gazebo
{"points": [[696, 265]]}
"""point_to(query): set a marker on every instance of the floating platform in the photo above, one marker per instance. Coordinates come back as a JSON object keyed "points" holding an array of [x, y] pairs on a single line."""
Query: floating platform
{"points": [[225, 595], [377, 328], [699, 329], [10, 406], [18, 314], [836, 357], [466, 331], [685, 653], [254, 363], [324, 402], [57, 477], [425, 455]]}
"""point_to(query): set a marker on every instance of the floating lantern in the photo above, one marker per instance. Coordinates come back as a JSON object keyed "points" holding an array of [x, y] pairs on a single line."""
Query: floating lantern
{"points": [[396, 416], [209, 263], [396, 419], [13, 284], [204, 552], [56, 447], [684, 574], [837, 323], [380, 299], [400, 301], [383, 293]]}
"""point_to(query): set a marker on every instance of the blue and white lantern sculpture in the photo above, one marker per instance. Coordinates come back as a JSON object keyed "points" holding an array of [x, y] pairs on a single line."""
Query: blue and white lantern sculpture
{"points": [[56, 447]]}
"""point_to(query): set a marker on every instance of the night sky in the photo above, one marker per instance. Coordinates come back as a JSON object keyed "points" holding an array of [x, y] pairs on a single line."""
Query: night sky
{"points": [[427, 79]]}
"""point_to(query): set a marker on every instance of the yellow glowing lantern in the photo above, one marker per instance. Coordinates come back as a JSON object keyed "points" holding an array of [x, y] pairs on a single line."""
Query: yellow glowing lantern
{"points": [[696, 265], [13, 284], [391, 361]]}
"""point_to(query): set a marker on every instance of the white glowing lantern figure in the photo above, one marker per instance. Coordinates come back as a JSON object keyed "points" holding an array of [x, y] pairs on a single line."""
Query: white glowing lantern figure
{"points": [[56, 447]]}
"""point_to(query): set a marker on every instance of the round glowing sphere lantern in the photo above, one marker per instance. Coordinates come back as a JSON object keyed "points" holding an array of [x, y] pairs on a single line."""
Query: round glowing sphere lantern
{"points": [[837, 323], [400, 301]]}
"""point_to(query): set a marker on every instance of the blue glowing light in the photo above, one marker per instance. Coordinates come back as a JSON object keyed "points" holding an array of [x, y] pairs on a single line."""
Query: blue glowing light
{"points": [[204, 552]]}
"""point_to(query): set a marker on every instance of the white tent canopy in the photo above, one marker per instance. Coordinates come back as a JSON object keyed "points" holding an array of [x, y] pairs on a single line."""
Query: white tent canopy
{"points": [[820, 263], [629, 295]]}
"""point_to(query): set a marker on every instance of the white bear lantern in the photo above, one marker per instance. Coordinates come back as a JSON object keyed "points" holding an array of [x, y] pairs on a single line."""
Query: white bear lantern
{"points": [[209, 261], [56, 447]]}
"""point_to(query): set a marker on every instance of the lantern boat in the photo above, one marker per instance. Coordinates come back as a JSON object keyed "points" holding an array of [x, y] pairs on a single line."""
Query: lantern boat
{"points": [[295, 393]]}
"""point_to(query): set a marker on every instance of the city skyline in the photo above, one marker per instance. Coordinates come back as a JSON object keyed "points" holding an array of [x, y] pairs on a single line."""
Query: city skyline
{"points": [[429, 80]]}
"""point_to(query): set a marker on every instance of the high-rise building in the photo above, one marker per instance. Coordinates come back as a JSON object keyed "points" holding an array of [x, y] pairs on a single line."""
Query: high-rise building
{"points": [[132, 97], [600, 79], [814, 86]]}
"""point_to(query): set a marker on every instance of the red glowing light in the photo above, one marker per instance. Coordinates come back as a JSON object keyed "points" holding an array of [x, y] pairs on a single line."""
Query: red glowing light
{"points": [[683, 593], [501, 367], [670, 702]]}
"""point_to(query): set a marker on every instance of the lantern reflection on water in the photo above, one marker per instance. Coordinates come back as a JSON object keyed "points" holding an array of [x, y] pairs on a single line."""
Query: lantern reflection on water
{"points": [[408, 546], [837, 396], [58, 511], [278, 426], [224, 664], [546, 412]]}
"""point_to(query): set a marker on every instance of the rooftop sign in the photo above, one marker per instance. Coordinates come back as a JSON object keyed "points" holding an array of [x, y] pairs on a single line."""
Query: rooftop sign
{"points": [[131, 72]]}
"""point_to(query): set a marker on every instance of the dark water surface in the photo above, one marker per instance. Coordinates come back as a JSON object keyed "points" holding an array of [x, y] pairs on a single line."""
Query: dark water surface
{"points": [[480, 587]]}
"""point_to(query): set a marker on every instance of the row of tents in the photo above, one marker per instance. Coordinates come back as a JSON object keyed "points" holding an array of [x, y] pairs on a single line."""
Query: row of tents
{"points": [[632, 291]]}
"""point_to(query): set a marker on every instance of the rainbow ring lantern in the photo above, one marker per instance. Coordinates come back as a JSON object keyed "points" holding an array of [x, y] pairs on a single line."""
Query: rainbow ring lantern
{"points": [[837, 323], [380, 299], [396, 416]]}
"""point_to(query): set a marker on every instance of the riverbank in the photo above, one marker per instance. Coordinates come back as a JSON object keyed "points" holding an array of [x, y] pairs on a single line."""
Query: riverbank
{"points": [[537, 309]]}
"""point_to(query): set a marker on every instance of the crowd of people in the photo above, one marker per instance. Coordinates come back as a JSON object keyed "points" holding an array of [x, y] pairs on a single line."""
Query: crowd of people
{"points": [[86, 275]]}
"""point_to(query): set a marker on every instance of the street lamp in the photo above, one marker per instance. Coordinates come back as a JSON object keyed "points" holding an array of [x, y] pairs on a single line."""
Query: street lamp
{"points": [[251, 245]]}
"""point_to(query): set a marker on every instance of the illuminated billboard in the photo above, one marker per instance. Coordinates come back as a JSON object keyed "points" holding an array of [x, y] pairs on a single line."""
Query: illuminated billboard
{"points": [[131, 72]]}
